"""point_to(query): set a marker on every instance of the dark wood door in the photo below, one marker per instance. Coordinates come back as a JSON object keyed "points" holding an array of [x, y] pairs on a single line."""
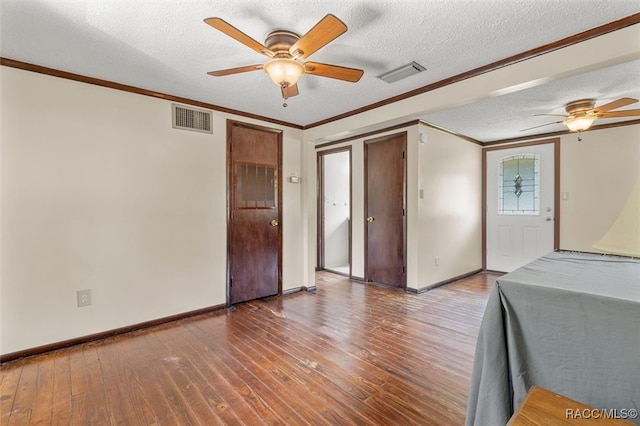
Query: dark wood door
{"points": [[255, 237], [385, 210]]}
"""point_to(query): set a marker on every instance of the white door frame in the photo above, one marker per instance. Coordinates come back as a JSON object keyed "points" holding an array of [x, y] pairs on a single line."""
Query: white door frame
{"points": [[320, 157], [556, 201]]}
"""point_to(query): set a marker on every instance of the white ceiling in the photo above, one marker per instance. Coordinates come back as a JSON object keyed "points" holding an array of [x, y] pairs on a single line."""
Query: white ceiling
{"points": [[164, 46]]}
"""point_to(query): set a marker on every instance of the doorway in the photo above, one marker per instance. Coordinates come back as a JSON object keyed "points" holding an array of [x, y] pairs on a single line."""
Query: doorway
{"points": [[334, 205], [521, 204], [385, 210], [254, 194]]}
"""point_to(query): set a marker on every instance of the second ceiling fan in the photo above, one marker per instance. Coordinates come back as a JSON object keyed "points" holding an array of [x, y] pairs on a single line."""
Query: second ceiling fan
{"points": [[583, 112], [286, 49]]}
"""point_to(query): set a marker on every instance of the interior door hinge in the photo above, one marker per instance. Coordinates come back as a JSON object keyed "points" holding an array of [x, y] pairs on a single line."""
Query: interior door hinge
{"points": [[402, 212], [403, 154]]}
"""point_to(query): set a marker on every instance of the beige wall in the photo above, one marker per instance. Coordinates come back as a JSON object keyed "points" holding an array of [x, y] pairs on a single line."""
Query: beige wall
{"points": [[597, 174], [100, 193], [450, 215], [446, 222]]}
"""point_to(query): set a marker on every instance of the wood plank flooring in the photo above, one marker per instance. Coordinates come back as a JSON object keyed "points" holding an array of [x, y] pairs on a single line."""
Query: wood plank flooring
{"points": [[347, 354]]}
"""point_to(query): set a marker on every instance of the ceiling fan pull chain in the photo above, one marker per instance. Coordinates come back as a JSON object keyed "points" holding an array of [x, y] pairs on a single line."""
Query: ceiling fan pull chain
{"points": [[284, 86]]}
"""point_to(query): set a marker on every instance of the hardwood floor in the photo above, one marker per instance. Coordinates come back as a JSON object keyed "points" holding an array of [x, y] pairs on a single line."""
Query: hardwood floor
{"points": [[347, 354]]}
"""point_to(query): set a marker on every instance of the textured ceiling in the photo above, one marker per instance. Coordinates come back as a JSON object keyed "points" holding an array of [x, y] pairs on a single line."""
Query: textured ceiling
{"points": [[505, 116], [164, 46]]}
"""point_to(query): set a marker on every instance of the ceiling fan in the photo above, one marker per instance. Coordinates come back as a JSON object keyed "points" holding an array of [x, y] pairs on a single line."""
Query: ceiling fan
{"points": [[582, 113], [286, 48]]}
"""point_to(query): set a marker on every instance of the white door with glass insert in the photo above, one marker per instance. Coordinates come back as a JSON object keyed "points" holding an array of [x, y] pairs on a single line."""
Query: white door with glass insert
{"points": [[520, 205]]}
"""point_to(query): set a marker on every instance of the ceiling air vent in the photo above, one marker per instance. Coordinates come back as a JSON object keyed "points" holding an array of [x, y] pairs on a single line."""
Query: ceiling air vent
{"points": [[402, 72], [185, 118]]}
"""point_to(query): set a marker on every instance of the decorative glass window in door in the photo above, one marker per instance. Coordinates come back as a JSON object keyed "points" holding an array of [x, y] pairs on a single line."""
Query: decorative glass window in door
{"points": [[256, 186], [519, 185]]}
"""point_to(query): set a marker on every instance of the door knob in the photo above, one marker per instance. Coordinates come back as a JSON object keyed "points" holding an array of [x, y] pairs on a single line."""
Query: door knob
{"points": [[274, 222], [370, 219]]}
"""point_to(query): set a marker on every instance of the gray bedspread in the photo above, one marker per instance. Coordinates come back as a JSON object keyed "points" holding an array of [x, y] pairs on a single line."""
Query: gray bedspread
{"points": [[567, 322]]}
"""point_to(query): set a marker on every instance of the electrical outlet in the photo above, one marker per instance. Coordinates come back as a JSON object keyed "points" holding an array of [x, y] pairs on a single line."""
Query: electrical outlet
{"points": [[436, 260], [84, 298]]}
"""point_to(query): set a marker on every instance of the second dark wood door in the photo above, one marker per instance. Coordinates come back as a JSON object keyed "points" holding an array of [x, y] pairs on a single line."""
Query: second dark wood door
{"points": [[385, 210], [255, 237]]}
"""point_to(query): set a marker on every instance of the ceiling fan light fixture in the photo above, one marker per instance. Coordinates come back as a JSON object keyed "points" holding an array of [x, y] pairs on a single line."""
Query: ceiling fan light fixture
{"points": [[579, 124], [284, 72]]}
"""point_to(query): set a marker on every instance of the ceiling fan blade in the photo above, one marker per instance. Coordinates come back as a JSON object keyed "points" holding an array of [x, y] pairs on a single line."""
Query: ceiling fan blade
{"points": [[333, 71], [615, 104], [616, 114], [290, 91], [328, 29], [542, 125], [238, 35], [237, 70], [550, 115]]}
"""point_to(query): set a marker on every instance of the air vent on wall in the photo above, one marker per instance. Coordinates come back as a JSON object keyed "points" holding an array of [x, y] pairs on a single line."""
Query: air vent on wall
{"points": [[191, 119], [402, 72]]}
